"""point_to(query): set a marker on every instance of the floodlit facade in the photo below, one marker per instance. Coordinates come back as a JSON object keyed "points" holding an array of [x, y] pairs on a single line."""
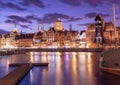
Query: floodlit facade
{"points": [[54, 37], [101, 33]]}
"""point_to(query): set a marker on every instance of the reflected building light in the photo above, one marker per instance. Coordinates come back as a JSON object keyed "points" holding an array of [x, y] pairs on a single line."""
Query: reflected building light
{"points": [[59, 75], [58, 59], [74, 67], [58, 53], [44, 77], [74, 55], [37, 53], [7, 66], [31, 57], [37, 58], [89, 57], [44, 58], [89, 54], [44, 53], [67, 57], [31, 76], [82, 58], [74, 70], [49, 57]]}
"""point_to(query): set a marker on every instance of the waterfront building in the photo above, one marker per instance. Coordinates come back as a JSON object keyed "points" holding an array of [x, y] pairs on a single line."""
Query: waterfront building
{"points": [[118, 32], [12, 35], [99, 24], [101, 30], [37, 38], [54, 37], [2, 41], [59, 26], [25, 40], [50, 35], [8, 41]]}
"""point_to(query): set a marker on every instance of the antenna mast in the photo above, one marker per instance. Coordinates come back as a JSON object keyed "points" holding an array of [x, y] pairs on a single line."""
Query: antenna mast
{"points": [[114, 13]]}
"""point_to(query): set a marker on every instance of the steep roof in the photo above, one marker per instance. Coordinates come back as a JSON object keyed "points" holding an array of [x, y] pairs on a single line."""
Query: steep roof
{"points": [[99, 17], [25, 36], [81, 32], [39, 33]]}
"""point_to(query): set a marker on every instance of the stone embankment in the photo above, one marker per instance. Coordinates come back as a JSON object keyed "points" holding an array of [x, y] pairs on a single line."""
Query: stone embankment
{"points": [[3, 53], [24, 50], [111, 61]]}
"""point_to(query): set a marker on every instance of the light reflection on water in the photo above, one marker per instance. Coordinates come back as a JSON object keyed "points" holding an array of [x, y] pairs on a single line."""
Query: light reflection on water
{"points": [[67, 68]]}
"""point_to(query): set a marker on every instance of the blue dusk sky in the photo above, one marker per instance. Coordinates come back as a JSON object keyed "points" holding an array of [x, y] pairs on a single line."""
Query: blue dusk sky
{"points": [[29, 13]]}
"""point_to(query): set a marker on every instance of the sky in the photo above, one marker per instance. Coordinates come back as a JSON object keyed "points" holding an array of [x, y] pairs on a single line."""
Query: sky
{"points": [[28, 14]]}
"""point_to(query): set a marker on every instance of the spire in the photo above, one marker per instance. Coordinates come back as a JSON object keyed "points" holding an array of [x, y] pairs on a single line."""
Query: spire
{"points": [[42, 28], [15, 24], [115, 30], [52, 25], [70, 27], [15, 27], [59, 19], [99, 17], [38, 28], [21, 32]]}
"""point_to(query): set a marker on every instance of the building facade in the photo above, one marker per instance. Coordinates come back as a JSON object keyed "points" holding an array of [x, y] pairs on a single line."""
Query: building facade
{"points": [[25, 40], [100, 33]]}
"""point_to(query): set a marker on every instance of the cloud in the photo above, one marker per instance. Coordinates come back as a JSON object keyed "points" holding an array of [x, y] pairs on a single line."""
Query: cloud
{"points": [[73, 19], [33, 17], [90, 15], [25, 27], [86, 24], [37, 3], [14, 6], [72, 2], [11, 5], [23, 22], [94, 14], [9, 21], [18, 19], [90, 2], [52, 17], [21, 5]]}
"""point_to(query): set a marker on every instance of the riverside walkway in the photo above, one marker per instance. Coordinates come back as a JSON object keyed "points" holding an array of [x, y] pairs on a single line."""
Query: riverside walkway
{"points": [[14, 77]]}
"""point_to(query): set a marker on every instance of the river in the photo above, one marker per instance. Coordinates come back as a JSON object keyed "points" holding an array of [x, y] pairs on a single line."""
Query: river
{"points": [[65, 68]]}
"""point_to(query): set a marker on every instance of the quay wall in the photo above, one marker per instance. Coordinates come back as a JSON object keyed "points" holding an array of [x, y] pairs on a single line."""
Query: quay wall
{"points": [[111, 58], [24, 50]]}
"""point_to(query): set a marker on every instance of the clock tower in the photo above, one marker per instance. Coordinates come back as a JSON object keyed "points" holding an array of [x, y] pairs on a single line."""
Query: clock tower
{"points": [[59, 26]]}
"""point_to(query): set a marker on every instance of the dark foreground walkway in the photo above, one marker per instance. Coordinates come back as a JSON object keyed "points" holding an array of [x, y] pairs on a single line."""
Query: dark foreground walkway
{"points": [[14, 77]]}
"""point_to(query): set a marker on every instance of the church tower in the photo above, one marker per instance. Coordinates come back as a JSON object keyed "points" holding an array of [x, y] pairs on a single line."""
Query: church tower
{"points": [[59, 26], [99, 24], [15, 28]]}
